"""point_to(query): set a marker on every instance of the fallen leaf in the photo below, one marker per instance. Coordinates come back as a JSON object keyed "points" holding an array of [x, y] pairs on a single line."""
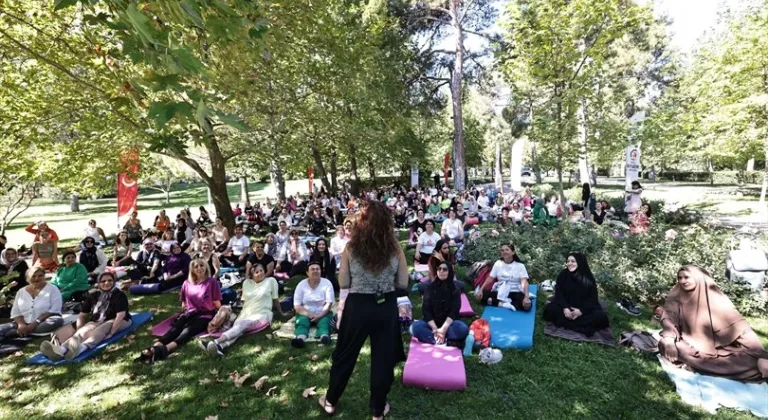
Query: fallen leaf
{"points": [[314, 358], [286, 373], [256, 349], [212, 418], [271, 390], [219, 380], [291, 358], [205, 381], [214, 372], [239, 380], [223, 404], [18, 354], [309, 391], [269, 336], [260, 382]]}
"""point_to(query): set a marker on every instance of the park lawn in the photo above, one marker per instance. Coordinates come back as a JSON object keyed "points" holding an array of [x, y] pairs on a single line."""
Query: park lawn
{"points": [[555, 380]]}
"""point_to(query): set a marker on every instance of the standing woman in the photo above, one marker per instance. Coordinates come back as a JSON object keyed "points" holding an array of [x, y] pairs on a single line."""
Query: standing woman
{"points": [[586, 194], [575, 306], [372, 267]]}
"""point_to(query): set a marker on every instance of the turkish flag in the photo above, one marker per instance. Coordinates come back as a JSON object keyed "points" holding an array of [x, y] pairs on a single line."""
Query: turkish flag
{"points": [[127, 186]]}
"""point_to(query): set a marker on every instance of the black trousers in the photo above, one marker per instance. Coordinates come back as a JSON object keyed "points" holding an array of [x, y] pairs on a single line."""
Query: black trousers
{"points": [[184, 329], [363, 318], [590, 321], [516, 299], [422, 258], [233, 261], [298, 269]]}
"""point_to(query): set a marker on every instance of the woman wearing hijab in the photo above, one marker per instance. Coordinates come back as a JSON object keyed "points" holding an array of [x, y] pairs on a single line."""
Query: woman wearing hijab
{"points": [[175, 271], [540, 216], [103, 314], [327, 264], [704, 331], [575, 306], [440, 311], [92, 258], [270, 246], [10, 263], [36, 308]]}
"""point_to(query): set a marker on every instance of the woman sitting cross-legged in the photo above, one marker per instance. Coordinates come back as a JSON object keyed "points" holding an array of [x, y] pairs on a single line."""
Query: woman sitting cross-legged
{"points": [[312, 302], [92, 258], [200, 298], [36, 308], [103, 314], [703, 331], [575, 305], [260, 299], [426, 243], [71, 278], [442, 301], [293, 256], [510, 283], [175, 271], [322, 255]]}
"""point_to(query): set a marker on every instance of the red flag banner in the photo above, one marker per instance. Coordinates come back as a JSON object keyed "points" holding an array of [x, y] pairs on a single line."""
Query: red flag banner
{"points": [[311, 175], [127, 185]]}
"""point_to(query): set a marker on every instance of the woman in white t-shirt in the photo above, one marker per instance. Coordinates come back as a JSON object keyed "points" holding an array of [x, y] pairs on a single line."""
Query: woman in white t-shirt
{"points": [[452, 229], [426, 243], [312, 303], [510, 283], [260, 302]]}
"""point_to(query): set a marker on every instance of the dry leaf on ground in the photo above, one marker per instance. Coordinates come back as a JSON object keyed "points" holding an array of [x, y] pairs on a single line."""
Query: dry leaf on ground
{"points": [[271, 390], [285, 373], [212, 418], [260, 382], [223, 404], [205, 381], [239, 380], [214, 372], [314, 358], [309, 391]]}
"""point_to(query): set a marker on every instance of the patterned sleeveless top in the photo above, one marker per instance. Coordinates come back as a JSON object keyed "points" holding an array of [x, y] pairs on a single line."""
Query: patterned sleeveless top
{"points": [[363, 281]]}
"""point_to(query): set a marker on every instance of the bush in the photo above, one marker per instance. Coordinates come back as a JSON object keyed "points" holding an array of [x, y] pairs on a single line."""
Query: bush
{"points": [[643, 267], [718, 177]]}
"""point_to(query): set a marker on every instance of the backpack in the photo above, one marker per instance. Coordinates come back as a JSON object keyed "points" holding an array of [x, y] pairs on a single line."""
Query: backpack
{"points": [[482, 277], [474, 269], [640, 340], [481, 331]]}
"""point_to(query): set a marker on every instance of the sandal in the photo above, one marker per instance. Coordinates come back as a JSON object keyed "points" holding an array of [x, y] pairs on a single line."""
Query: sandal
{"points": [[327, 407], [387, 409], [146, 356]]}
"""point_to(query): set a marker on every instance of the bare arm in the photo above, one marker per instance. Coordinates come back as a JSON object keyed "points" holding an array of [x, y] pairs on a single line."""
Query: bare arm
{"points": [[402, 272]]}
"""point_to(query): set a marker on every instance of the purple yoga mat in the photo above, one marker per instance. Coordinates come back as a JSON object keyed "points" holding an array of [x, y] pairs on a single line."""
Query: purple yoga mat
{"points": [[435, 367], [162, 328], [466, 308]]}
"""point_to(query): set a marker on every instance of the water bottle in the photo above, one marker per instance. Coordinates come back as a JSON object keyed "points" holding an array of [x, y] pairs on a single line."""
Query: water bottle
{"points": [[469, 344]]}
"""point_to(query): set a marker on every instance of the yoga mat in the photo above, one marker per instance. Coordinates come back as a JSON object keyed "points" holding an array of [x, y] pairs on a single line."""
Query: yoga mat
{"points": [[435, 367], [136, 321], [421, 268], [712, 392], [466, 308], [512, 329], [149, 289], [162, 328], [604, 336]]}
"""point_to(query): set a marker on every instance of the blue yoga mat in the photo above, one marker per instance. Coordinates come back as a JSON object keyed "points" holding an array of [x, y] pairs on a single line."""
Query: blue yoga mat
{"points": [[136, 321], [512, 329]]}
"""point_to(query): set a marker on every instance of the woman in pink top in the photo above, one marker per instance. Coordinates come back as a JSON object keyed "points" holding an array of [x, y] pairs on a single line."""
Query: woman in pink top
{"points": [[200, 299]]}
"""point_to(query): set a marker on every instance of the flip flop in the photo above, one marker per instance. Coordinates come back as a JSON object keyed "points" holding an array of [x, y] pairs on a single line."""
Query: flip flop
{"points": [[326, 405], [387, 409]]}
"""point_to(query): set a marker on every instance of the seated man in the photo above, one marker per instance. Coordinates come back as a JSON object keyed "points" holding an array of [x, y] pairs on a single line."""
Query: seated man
{"points": [[703, 331], [442, 302], [575, 306], [312, 302], [103, 314]]}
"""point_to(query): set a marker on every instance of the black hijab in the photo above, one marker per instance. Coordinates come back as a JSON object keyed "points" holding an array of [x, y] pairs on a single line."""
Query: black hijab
{"points": [[583, 274]]}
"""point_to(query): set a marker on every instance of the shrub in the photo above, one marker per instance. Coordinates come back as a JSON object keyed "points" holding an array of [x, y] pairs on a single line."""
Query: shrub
{"points": [[643, 267]]}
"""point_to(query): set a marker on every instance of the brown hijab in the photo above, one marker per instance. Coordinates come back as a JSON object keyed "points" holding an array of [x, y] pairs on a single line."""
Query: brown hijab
{"points": [[704, 317]]}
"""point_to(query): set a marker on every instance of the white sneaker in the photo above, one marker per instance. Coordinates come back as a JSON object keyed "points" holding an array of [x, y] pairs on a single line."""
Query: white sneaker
{"points": [[214, 349], [490, 356]]}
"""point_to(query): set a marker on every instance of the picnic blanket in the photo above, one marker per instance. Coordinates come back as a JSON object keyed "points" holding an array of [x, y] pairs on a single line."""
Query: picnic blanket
{"points": [[136, 321], [712, 392], [604, 336], [512, 329]]}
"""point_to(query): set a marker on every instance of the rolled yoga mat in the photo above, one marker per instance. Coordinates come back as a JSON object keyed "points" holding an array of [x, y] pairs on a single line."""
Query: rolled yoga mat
{"points": [[435, 367], [512, 329]]}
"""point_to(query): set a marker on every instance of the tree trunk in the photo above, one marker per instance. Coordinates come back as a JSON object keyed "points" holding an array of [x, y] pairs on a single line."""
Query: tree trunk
{"points": [[167, 192], [334, 171], [583, 158], [320, 167], [210, 200], [499, 178], [276, 172], [536, 166], [218, 183], [372, 171], [559, 140], [74, 203], [354, 184], [516, 164], [244, 189], [459, 161], [763, 205], [751, 165]]}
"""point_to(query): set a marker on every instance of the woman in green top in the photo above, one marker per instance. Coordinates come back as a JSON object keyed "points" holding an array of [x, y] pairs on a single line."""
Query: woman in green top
{"points": [[71, 278], [540, 216], [434, 208]]}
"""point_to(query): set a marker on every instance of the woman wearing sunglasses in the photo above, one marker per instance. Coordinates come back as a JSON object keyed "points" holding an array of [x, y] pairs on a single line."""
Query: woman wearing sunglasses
{"points": [[103, 314], [440, 311]]}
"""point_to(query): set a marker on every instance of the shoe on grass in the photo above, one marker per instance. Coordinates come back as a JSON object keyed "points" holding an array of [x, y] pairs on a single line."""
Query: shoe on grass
{"points": [[326, 340], [297, 343], [629, 307], [214, 349], [53, 353], [203, 344]]}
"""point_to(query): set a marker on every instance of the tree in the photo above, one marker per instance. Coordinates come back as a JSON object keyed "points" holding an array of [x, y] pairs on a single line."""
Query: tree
{"points": [[160, 173]]}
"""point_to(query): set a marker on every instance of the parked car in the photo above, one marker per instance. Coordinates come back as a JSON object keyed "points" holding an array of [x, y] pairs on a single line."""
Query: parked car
{"points": [[526, 171]]}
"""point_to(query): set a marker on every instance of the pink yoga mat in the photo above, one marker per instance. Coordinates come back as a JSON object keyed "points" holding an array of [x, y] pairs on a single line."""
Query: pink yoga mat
{"points": [[471, 221], [421, 268], [162, 328], [466, 308], [435, 367]]}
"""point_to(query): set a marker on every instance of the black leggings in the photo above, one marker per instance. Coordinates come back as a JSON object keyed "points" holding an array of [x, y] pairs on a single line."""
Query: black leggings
{"points": [[516, 298], [298, 269], [185, 328], [422, 258]]}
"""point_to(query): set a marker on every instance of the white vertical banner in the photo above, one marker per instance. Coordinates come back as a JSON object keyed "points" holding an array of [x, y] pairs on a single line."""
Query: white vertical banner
{"points": [[632, 160], [415, 175]]}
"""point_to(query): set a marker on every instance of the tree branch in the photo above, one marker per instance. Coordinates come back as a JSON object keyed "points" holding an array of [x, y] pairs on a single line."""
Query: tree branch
{"points": [[480, 34]]}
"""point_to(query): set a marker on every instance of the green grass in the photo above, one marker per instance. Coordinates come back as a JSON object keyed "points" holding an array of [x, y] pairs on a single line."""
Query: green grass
{"points": [[555, 380]]}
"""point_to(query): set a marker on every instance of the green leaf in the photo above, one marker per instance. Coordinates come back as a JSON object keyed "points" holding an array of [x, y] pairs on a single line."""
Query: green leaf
{"points": [[232, 120], [63, 4], [202, 114], [192, 13], [185, 61], [161, 113], [140, 23]]}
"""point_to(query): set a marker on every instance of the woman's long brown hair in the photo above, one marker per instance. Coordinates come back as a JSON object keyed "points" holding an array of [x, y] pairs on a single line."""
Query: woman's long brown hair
{"points": [[373, 241]]}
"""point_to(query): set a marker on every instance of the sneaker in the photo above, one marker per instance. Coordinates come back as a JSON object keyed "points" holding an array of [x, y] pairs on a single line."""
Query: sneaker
{"points": [[214, 349], [326, 340], [203, 344], [629, 307], [490, 356], [50, 351], [547, 286], [74, 352], [298, 343]]}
